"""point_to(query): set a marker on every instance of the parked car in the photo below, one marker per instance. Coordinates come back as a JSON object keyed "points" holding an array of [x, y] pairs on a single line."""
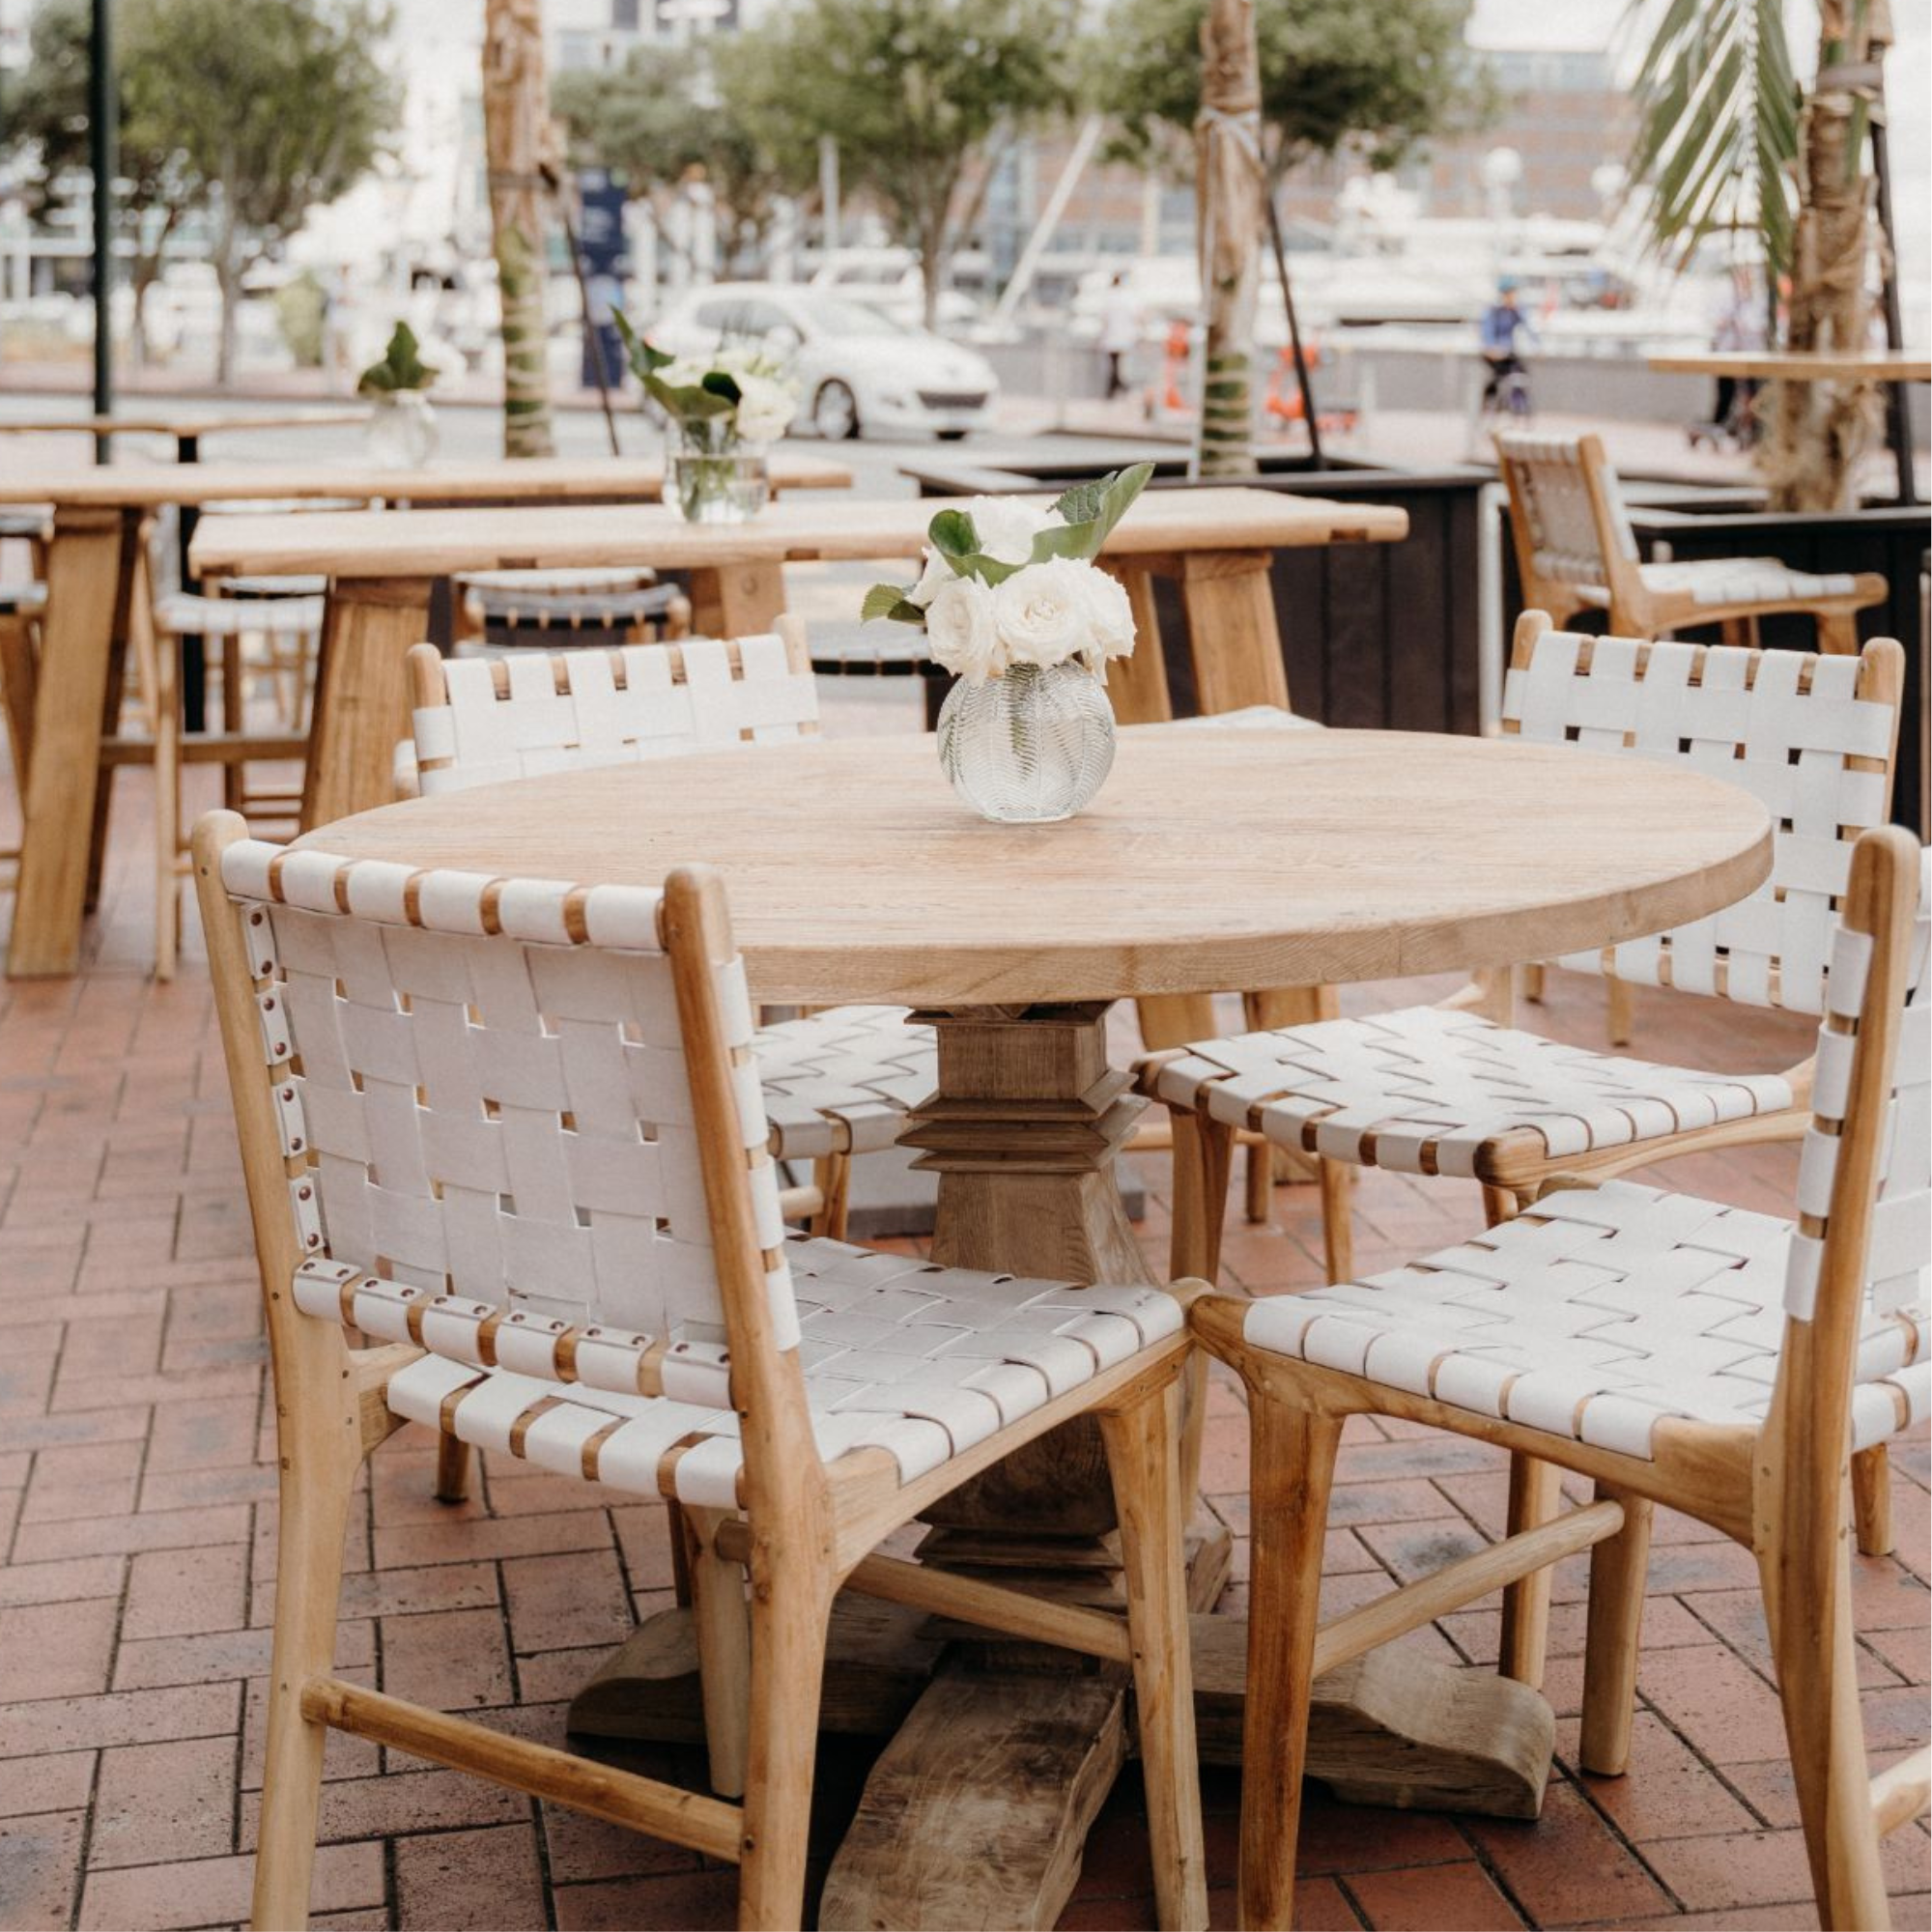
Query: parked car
{"points": [[860, 372], [888, 279]]}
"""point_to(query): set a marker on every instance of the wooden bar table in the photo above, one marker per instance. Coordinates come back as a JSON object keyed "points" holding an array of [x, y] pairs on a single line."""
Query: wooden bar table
{"points": [[97, 518], [1210, 858], [1785, 365], [381, 570], [188, 425]]}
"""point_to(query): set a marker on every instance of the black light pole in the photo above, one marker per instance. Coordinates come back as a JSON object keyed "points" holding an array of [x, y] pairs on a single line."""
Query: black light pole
{"points": [[103, 130]]}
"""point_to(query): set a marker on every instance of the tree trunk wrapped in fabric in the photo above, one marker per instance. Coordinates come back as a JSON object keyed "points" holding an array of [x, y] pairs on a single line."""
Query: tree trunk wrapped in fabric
{"points": [[1227, 197], [517, 134]]}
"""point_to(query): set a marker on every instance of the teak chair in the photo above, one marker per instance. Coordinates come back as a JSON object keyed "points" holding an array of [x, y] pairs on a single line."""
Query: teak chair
{"points": [[1575, 550], [1444, 1091], [513, 1131], [531, 607], [1674, 1351], [838, 1084]]}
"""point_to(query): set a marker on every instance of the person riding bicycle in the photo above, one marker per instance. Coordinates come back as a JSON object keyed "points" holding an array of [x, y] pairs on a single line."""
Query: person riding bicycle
{"points": [[1502, 326]]}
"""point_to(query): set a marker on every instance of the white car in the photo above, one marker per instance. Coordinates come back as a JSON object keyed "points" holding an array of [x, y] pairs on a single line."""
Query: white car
{"points": [[859, 371]]}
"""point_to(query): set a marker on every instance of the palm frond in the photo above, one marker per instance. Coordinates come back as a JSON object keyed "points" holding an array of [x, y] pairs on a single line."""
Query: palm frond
{"points": [[1716, 135]]}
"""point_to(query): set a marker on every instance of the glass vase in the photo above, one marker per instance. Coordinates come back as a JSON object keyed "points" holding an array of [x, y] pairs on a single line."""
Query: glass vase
{"points": [[1033, 746], [710, 476], [402, 430]]}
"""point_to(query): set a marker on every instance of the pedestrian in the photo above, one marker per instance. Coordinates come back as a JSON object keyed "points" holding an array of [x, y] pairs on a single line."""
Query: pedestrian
{"points": [[1119, 334], [1503, 326], [1738, 330]]}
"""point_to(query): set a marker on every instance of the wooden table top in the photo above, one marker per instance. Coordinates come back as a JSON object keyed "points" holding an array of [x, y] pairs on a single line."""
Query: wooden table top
{"points": [[1782, 365], [538, 480], [433, 543], [1210, 858], [188, 422]]}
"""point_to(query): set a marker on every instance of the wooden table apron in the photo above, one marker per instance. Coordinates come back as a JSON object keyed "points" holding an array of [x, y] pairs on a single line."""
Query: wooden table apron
{"points": [[90, 576], [1210, 860]]}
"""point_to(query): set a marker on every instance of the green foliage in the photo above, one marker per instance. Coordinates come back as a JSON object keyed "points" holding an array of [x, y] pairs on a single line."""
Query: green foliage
{"points": [[301, 305], [1376, 78], [1088, 513], [912, 90], [402, 367], [1717, 140]]}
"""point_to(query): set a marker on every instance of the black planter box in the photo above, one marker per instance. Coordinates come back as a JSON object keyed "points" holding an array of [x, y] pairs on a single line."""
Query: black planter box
{"points": [[1375, 635]]}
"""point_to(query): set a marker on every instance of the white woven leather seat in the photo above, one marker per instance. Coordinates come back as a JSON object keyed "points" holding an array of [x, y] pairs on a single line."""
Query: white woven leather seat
{"points": [[1760, 581], [1432, 1090], [838, 1083], [1596, 1311], [921, 1361], [182, 613]]}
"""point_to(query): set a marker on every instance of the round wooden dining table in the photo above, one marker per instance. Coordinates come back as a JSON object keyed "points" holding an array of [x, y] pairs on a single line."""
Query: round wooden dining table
{"points": [[1212, 859]]}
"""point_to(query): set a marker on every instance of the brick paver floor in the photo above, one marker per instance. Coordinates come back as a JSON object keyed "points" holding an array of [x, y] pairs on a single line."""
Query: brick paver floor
{"points": [[137, 1518]]}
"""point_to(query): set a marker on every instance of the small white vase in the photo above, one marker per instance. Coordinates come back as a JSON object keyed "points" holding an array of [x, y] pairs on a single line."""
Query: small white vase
{"points": [[1031, 746], [402, 430]]}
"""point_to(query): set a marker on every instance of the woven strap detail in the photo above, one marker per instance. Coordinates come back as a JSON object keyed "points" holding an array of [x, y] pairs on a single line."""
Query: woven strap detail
{"points": [[1430, 1092], [1594, 1316], [183, 613], [1786, 725], [1746, 579], [1554, 494], [922, 1362], [482, 1090], [842, 1081], [569, 709]]}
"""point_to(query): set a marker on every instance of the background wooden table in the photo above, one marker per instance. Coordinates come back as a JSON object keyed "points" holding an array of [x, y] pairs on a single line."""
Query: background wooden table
{"points": [[1779, 366], [188, 426], [1210, 858], [1217, 542]]}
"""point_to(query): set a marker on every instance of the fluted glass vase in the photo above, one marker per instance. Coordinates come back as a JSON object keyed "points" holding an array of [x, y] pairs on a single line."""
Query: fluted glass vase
{"points": [[710, 475], [1031, 746]]}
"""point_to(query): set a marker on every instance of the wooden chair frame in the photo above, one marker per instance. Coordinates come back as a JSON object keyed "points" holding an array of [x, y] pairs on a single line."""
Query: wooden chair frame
{"points": [[803, 1528], [1777, 1490]]}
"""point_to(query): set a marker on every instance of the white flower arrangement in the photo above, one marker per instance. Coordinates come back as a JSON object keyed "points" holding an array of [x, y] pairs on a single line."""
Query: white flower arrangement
{"points": [[736, 394], [1009, 583]]}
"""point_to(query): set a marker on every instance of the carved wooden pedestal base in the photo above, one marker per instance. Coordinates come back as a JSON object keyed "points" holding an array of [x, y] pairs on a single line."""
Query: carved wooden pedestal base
{"points": [[1002, 1753]]}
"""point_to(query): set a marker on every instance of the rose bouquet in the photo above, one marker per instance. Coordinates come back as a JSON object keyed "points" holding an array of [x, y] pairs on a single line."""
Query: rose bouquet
{"points": [[1009, 583], [725, 411]]}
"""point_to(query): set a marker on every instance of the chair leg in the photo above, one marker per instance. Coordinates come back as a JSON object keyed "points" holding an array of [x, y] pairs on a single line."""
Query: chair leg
{"points": [[1816, 1651], [791, 1609], [1617, 1015], [1533, 983], [1619, 1568], [832, 1176], [164, 719], [453, 1469], [1204, 1153], [1257, 1189], [314, 1496], [1294, 1466], [1141, 1456], [723, 1629], [1338, 1217], [1871, 1500]]}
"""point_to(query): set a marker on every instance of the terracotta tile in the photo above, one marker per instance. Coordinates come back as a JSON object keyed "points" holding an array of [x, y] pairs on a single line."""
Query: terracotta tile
{"points": [[1763, 1868], [187, 1592], [449, 1660], [1569, 1865], [56, 1650], [560, 1601], [401, 1803], [698, 1901], [1461, 1896], [580, 1849], [61, 1782], [1722, 1706], [123, 1535], [482, 1879], [1667, 1791], [212, 1892], [39, 1870], [162, 1803]]}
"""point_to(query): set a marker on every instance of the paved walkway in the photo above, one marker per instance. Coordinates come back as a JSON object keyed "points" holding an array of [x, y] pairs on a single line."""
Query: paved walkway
{"points": [[137, 1524]]}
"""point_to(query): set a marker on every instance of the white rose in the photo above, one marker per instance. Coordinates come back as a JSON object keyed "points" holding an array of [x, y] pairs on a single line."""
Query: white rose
{"points": [[1007, 526], [686, 373], [1041, 612], [765, 409], [933, 579], [960, 629], [1109, 615]]}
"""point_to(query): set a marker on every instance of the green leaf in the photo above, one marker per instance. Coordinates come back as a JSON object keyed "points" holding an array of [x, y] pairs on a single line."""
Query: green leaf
{"points": [[644, 361], [721, 383], [688, 400], [888, 600], [401, 368], [1102, 504], [1081, 503], [954, 536]]}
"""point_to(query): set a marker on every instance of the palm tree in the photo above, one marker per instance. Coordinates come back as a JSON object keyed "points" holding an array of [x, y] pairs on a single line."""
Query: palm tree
{"points": [[1227, 192], [1727, 141], [520, 141]]}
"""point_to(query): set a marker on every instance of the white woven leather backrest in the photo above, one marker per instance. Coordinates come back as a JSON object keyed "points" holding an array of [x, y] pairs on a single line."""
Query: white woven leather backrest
{"points": [[567, 709], [1900, 1250], [1786, 725], [1554, 494], [485, 1087]]}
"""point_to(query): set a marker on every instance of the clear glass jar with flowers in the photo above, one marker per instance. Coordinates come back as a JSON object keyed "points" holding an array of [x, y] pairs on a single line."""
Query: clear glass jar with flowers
{"points": [[1011, 600], [723, 413], [402, 425]]}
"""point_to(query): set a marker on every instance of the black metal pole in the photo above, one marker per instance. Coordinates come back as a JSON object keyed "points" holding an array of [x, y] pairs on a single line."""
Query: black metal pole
{"points": [[102, 143], [1302, 383]]}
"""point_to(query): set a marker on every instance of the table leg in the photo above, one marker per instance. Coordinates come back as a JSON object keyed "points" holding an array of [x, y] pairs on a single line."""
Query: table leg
{"points": [[737, 600], [90, 576], [1236, 642], [361, 693]]}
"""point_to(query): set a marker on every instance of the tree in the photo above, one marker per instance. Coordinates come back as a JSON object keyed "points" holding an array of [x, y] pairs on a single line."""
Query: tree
{"points": [[1370, 78], [45, 110], [915, 92], [521, 141], [1228, 198], [279, 106]]}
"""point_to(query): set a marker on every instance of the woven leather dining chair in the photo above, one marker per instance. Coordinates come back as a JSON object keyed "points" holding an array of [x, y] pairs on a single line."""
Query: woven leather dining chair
{"points": [[838, 1083], [1575, 550], [1670, 1349], [1443, 1091], [512, 1130]]}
